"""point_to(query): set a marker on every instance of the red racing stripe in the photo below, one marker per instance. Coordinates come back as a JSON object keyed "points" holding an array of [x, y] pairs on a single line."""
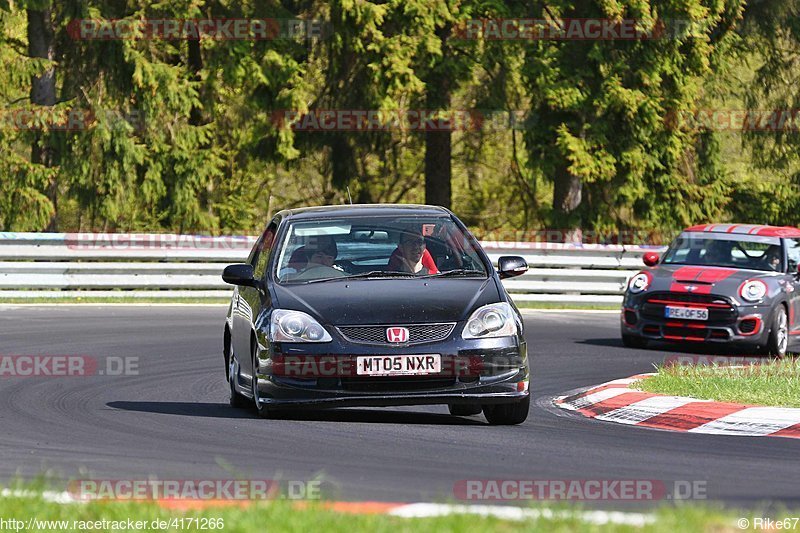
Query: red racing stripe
{"points": [[687, 273], [714, 275], [702, 274]]}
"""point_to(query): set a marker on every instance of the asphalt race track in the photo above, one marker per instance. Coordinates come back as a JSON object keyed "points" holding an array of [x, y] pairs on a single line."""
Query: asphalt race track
{"points": [[172, 420]]}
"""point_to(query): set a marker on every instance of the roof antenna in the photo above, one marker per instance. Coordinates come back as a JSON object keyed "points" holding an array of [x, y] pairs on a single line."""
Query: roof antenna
{"points": [[348, 195]]}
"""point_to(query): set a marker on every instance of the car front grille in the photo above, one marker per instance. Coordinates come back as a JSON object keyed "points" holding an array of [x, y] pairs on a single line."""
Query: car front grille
{"points": [[417, 333], [720, 311], [687, 297], [396, 384], [685, 333]]}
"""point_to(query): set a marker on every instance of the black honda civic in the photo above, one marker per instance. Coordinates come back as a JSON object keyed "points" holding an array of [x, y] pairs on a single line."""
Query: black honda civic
{"points": [[375, 305]]}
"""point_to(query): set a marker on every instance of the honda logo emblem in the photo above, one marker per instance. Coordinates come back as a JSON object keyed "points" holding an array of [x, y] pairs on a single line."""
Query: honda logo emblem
{"points": [[397, 334]]}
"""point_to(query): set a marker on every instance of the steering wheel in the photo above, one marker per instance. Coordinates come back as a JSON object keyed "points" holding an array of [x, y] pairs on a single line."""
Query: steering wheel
{"points": [[346, 265]]}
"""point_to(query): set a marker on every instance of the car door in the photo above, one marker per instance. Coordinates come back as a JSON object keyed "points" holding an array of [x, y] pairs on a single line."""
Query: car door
{"points": [[251, 299], [793, 284], [240, 332]]}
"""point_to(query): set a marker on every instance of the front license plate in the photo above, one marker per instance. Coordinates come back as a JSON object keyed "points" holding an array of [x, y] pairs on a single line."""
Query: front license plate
{"points": [[686, 313], [398, 365]]}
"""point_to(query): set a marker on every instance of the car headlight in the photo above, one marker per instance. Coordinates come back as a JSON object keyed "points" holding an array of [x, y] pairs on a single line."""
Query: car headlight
{"points": [[639, 282], [296, 326], [493, 320], [753, 290]]}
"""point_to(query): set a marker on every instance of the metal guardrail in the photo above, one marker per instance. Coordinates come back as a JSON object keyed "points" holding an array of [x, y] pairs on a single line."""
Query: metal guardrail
{"points": [[56, 265]]}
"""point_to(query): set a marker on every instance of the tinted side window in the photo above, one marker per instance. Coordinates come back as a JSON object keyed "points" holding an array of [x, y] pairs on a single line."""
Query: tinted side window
{"points": [[251, 259], [793, 253], [263, 251]]}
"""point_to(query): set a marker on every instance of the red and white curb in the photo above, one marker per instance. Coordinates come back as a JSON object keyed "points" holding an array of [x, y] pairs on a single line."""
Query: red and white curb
{"points": [[616, 402], [401, 510]]}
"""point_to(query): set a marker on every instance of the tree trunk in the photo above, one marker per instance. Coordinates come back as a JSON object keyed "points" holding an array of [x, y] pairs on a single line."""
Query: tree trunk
{"points": [[438, 144], [195, 60], [567, 192], [438, 171], [43, 93]]}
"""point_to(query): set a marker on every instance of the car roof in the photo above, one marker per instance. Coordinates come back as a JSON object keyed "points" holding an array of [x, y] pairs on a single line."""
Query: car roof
{"points": [[748, 229], [364, 210]]}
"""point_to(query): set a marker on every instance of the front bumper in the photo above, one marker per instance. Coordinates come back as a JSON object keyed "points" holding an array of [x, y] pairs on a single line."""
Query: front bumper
{"points": [[488, 371], [735, 324]]}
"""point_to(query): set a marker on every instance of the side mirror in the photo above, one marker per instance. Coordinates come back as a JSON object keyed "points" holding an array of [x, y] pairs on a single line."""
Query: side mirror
{"points": [[509, 266], [650, 259], [239, 274]]}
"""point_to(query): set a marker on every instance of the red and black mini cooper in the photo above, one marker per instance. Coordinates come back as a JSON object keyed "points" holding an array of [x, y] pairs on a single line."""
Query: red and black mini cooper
{"points": [[719, 283]]}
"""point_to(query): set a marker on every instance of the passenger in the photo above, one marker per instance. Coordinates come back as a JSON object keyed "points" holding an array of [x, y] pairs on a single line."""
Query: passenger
{"points": [[411, 254]]}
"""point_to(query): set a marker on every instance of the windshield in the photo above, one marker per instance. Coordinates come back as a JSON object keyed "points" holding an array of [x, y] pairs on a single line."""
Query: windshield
{"points": [[363, 247], [737, 251]]}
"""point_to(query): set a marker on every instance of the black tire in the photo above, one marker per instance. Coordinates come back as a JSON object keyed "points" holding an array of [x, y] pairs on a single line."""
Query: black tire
{"points": [[632, 341], [262, 410], [778, 340], [236, 399], [507, 414], [464, 409]]}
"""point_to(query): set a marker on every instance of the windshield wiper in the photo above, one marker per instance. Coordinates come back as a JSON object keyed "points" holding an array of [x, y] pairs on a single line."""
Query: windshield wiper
{"points": [[382, 274], [456, 272], [370, 274]]}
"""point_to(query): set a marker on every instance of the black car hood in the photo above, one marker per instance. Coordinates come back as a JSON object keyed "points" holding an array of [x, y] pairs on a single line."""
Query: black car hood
{"points": [[387, 301], [704, 279]]}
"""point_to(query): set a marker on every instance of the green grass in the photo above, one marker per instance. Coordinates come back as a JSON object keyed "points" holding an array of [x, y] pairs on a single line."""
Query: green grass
{"points": [[775, 383], [281, 515]]}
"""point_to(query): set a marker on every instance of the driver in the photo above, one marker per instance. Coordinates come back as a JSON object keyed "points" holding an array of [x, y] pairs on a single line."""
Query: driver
{"points": [[718, 252], [772, 257]]}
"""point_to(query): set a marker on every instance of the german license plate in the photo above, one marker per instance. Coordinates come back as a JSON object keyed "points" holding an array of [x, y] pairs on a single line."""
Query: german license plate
{"points": [[398, 365], [686, 313]]}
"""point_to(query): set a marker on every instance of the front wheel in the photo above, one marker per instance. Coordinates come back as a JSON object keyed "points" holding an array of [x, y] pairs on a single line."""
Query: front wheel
{"points": [[236, 399], [507, 414], [261, 408], [778, 333]]}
